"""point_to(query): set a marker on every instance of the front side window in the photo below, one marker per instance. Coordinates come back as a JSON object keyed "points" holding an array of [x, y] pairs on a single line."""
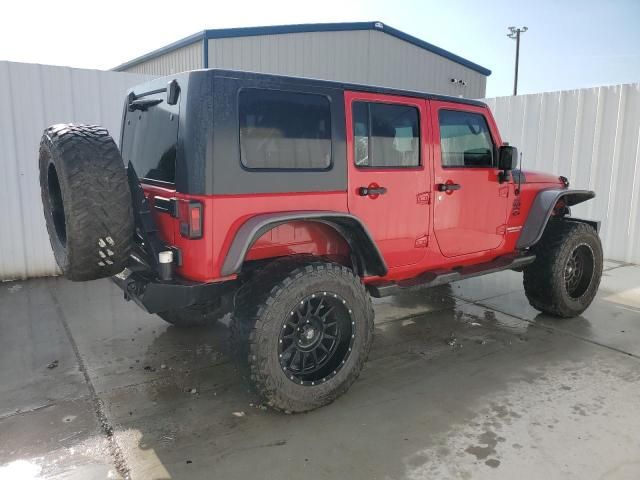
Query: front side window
{"points": [[465, 140], [386, 135], [284, 130]]}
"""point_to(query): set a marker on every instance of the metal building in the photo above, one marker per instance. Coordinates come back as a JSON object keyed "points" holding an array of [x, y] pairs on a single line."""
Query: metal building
{"points": [[369, 53]]}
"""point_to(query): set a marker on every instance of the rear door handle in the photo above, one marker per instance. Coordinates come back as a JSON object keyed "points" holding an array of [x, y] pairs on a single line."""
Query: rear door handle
{"points": [[448, 187], [166, 205], [364, 191]]}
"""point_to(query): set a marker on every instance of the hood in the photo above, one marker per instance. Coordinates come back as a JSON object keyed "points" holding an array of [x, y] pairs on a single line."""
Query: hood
{"points": [[540, 177]]}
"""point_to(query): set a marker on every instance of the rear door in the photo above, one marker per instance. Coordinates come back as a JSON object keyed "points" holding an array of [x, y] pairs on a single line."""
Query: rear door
{"points": [[388, 179], [470, 205], [149, 142]]}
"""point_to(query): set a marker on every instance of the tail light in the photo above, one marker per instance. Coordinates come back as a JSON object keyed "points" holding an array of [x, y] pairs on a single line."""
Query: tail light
{"points": [[190, 216]]}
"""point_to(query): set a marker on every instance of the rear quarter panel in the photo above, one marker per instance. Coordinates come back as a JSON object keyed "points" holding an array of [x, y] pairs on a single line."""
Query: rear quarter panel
{"points": [[224, 214]]}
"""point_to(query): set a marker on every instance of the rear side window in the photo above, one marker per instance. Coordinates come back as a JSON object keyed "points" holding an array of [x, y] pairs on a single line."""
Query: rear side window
{"points": [[465, 140], [386, 135], [284, 130]]}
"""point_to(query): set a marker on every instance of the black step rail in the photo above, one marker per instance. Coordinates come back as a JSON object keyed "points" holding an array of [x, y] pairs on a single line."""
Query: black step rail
{"points": [[441, 277]]}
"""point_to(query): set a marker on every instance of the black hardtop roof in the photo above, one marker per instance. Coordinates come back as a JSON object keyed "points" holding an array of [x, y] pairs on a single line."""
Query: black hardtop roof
{"points": [[274, 80]]}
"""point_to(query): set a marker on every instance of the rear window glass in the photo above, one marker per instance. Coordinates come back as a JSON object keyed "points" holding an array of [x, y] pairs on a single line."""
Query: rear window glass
{"points": [[284, 130], [149, 140]]}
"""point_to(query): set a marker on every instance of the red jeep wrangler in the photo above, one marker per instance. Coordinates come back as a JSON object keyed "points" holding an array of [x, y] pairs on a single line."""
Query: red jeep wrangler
{"points": [[289, 201]]}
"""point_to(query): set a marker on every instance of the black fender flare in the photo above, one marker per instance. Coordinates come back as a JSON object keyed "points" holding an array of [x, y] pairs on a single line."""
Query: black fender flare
{"points": [[348, 226], [542, 208]]}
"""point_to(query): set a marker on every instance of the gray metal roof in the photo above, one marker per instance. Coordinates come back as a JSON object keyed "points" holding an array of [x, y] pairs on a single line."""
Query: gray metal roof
{"points": [[205, 35]]}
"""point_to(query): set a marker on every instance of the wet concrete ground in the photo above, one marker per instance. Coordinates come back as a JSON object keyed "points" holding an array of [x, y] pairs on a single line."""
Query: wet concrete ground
{"points": [[465, 381]]}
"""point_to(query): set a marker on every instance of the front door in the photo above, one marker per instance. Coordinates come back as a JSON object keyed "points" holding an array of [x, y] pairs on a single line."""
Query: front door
{"points": [[470, 204], [388, 178]]}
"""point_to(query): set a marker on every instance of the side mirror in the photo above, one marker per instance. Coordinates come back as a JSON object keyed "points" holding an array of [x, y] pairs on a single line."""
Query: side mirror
{"points": [[507, 157]]}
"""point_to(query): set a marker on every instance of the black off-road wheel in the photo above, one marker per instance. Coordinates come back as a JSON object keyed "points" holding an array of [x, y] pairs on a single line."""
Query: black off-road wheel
{"points": [[86, 201], [193, 316], [565, 276], [302, 332]]}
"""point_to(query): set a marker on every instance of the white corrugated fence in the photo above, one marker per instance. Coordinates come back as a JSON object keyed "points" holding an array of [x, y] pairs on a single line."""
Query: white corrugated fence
{"points": [[591, 136], [33, 97]]}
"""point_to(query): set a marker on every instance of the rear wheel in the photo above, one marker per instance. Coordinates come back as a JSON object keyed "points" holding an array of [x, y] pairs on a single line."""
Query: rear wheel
{"points": [[565, 276], [303, 333]]}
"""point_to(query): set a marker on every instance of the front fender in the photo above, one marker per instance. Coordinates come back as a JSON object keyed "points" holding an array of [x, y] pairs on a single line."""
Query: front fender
{"points": [[541, 211]]}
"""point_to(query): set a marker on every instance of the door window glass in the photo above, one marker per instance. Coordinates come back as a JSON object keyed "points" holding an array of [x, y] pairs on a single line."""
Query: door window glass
{"points": [[465, 140], [386, 135]]}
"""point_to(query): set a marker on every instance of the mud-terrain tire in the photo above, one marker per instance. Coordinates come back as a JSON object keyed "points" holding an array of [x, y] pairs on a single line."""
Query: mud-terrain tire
{"points": [[86, 201], [290, 307], [193, 316], [565, 276]]}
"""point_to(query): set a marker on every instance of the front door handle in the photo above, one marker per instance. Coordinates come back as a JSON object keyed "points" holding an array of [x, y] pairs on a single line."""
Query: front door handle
{"points": [[364, 191], [448, 187]]}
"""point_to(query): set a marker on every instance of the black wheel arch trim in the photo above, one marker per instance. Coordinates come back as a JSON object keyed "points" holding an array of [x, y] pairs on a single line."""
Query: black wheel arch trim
{"points": [[348, 226], [541, 211]]}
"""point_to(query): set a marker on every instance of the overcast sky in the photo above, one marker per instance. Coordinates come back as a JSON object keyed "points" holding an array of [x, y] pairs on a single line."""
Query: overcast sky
{"points": [[570, 43]]}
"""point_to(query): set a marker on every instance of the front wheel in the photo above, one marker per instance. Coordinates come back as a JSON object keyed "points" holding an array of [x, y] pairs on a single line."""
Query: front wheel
{"points": [[305, 332], [565, 276]]}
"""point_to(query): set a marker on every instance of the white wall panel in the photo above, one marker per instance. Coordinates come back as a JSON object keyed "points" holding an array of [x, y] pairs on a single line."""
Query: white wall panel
{"points": [[592, 136], [33, 97]]}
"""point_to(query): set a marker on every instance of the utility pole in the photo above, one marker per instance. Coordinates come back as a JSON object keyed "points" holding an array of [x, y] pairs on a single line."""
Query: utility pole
{"points": [[514, 33]]}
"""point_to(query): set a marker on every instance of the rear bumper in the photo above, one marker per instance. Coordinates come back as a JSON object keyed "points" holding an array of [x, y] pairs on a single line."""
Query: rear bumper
{"points": [[155, 295]]}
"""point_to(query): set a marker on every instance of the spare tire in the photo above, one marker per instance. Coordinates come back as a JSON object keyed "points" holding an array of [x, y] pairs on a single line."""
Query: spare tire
{"points": [[86, 201]]}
